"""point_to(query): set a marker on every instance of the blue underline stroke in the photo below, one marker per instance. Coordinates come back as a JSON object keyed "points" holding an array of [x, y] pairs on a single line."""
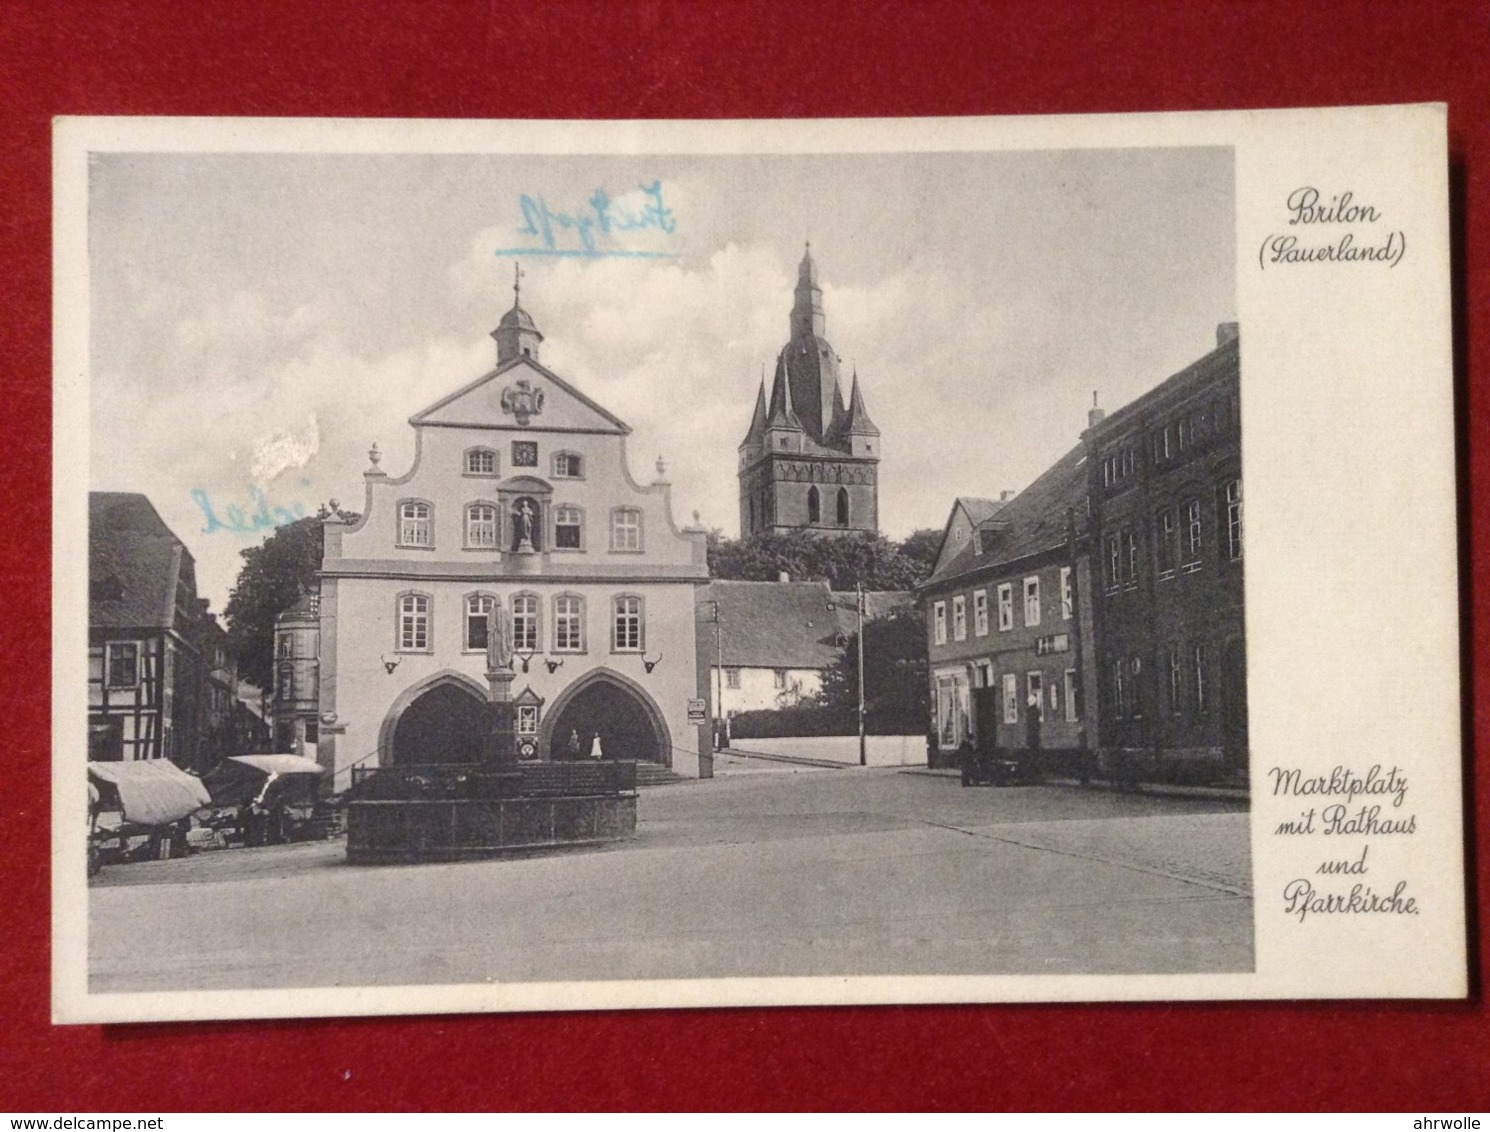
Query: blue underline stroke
{"points": [[581, 253]]}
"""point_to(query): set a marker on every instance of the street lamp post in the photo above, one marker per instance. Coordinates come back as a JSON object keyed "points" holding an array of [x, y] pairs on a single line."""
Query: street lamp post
{"points": [[859, 609], [718, 713]]}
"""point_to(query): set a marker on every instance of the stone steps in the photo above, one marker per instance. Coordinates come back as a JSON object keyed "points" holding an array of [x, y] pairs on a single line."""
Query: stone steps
{"points": [[655, 774]]}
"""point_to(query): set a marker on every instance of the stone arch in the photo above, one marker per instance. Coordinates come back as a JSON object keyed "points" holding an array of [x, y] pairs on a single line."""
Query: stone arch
{"points": [[648, 738], [449, 679]]}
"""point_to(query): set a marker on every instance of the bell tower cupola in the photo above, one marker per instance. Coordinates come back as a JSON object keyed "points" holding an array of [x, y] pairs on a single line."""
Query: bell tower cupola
{"points": [[517, 334]]}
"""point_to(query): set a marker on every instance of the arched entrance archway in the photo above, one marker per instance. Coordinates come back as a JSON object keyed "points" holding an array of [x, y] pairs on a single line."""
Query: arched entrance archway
{"points": [[610, 705], [442, 720]]}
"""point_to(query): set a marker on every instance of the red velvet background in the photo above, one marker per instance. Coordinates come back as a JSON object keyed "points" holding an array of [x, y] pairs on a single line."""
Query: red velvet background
{"points": [[750, 59]]}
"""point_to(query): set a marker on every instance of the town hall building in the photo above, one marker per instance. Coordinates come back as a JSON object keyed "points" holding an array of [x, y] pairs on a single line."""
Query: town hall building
{"points": [[519, 495], [810, 461]]}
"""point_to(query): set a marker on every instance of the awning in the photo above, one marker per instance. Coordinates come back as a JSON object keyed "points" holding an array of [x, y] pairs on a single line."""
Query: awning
{"points": [[279, 764], [151, 791], [241, 779]]}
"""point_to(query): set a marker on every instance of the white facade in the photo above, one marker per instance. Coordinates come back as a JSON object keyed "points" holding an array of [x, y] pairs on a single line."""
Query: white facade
{"points": [[756, 689], [520, 494]]}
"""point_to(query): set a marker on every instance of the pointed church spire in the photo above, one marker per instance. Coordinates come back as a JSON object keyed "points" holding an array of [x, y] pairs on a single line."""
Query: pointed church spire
{"points": [[838, 416], [757, 431], [781, 414], [807, 305], [857, 423]]}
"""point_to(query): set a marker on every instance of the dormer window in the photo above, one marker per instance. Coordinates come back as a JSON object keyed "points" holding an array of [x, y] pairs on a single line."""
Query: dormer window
{"points": [[569, 466], [481, 462]]}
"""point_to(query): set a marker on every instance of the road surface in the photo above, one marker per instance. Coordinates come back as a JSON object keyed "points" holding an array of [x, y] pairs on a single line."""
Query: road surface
{"points": [[785, 871]]}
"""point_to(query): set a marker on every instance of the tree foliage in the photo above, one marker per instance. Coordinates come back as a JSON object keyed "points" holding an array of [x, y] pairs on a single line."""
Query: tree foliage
{"points": [[273, 576], [867, 559], [921, 546], [896, 697]]}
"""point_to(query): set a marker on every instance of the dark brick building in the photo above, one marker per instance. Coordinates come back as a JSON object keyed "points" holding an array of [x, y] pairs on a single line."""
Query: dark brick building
{"points": [[1008, 621], [1165, 487]]}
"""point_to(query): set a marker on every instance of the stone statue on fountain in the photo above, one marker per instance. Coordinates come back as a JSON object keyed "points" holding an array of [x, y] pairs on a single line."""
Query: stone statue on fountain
{"points": [[500, 745], [498, 639]]}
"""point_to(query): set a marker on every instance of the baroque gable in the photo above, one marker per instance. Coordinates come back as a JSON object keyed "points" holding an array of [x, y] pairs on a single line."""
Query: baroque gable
{"points": [[521, 394]]}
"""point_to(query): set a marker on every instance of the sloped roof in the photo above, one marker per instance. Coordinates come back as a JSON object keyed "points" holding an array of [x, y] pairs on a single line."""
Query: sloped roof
{"points": [[877, 603], [1226, 356], [1032, 522], [519, 319], [135, 563], [976, 510], [776, 624], [306, 608], [125, 511], [979, 509], [251, 698], [788, 624]]}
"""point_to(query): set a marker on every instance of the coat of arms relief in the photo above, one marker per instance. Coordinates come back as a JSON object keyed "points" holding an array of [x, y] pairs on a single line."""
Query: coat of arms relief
{"points": [[522, 400]]}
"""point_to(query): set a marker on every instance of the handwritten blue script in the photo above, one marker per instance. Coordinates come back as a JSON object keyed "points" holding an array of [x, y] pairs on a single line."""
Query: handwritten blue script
{"points": [[597, 230], [259, 517]]}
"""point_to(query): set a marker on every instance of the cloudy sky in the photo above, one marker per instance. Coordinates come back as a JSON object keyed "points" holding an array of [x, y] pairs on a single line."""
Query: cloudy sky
{"points": [[259, 320]]}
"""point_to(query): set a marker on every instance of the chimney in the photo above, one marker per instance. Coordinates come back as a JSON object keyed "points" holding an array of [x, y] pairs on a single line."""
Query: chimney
{"points": [[783, 576], [1005, 496], [1094, 415], [1227, 332]]}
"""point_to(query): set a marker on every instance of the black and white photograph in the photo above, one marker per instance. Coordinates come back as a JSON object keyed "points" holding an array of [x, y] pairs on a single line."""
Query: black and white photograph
{"points": [[527, 575]]}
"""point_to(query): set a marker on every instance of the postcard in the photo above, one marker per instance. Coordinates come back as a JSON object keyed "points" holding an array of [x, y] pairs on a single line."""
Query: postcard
{"points": [[572, 565]]}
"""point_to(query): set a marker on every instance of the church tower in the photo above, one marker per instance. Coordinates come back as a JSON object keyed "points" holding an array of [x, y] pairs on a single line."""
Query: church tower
{"points": [[809, 461]]}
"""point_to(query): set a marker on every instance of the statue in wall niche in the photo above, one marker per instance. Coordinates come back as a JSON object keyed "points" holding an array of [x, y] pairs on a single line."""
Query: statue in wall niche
{"points": [[498, 639], [524, 515]]}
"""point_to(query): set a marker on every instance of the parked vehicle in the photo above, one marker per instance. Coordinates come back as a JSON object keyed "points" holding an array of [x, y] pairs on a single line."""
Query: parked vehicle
{"points": [[994, 766]]}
